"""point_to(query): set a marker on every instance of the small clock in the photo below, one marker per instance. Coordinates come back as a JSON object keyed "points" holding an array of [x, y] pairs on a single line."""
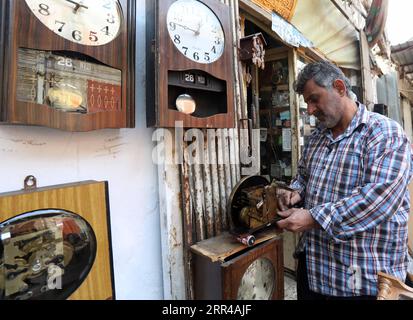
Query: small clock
{"points": [[69, 64], [227, 270], [195, 31], [190, 64]]}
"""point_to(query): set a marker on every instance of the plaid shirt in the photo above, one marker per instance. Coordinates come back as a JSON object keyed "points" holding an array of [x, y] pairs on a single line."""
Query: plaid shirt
{"points": [[356, 188]]}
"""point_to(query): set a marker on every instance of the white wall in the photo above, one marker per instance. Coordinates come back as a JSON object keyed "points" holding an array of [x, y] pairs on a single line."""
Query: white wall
{"points": [[123, 158]]}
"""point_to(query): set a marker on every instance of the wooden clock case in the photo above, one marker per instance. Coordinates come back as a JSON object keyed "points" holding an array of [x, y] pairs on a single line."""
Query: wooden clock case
{"points": [[89, 200], [166, 68], [220, 263], [19, 28]]}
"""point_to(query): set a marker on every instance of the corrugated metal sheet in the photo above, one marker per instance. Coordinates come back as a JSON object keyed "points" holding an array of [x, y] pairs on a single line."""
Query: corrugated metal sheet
{"points": [[402, 54], [206, 186], [388, 93]]}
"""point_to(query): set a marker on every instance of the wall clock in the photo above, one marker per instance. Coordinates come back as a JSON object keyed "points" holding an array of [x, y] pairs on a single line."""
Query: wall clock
{"points": [[68, 64], [190, 64], [226, 270], [55, 242]]}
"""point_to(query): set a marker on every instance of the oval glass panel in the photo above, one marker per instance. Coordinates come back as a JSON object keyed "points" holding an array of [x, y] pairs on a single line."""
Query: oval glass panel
{"points": [[44, 255], [258, 281]]}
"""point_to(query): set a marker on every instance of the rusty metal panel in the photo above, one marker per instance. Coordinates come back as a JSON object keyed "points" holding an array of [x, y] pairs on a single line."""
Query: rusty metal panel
{"points": [[215, 195], [207, 181], [172, 233], [208, 195], [388, 94]]}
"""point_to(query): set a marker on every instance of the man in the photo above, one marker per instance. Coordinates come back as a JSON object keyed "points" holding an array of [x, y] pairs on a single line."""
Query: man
{"points": [[353, 182]]}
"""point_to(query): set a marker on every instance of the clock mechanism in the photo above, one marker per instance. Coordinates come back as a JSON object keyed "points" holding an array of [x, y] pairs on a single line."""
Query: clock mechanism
{"points": [[46, 254], [226, 266], [55, 244], [69, 64], [190, 64]]}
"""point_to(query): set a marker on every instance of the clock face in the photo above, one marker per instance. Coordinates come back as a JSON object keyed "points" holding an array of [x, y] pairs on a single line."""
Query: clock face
{"points": [[195, 31], [258, 281], [86, 22]]}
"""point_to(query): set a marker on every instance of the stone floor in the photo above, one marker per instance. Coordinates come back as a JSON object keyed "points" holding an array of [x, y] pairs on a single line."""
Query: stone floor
{"points": [[290, 288]]}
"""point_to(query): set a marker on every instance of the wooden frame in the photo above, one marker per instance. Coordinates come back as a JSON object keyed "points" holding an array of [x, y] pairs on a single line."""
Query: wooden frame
{"points": [[163, 57], [21, 29], [391, 288], [220, 263], [90, 200]]}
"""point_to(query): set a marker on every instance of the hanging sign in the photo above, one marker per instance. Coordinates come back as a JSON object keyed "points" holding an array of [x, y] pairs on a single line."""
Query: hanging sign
{"points": [[288, 33]]}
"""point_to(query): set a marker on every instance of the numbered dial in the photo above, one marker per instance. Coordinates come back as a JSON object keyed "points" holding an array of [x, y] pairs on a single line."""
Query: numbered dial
{"points": [[86, 22], [195, 31], [258, 281]]}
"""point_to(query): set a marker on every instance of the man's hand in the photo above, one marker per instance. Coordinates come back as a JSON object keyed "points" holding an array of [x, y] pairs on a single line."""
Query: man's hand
{"points": [[297, 220], [286, 198]]}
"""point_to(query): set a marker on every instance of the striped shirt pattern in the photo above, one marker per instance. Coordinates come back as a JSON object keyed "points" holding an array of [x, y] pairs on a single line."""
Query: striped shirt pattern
{"points": [[356, 188]]}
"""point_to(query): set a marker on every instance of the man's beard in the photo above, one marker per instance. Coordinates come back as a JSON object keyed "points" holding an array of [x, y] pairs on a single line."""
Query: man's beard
{"points": [[327, 121]]}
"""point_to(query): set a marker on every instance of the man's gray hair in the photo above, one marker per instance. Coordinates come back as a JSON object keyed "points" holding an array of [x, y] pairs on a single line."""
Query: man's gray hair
{"points": [[323, 73]]}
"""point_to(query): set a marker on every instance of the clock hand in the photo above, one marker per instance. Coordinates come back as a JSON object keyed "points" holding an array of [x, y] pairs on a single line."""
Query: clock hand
{"points": [[77, 5], [187, 28], [199, 28]]}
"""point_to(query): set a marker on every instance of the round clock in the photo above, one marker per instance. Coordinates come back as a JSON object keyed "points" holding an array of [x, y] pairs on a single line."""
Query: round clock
{"points": [[195, 31], [258, 281], [86, 22]]}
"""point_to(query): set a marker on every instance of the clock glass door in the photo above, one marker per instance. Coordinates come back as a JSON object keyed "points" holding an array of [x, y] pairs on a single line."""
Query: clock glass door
{"points": [[67, 83]]}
